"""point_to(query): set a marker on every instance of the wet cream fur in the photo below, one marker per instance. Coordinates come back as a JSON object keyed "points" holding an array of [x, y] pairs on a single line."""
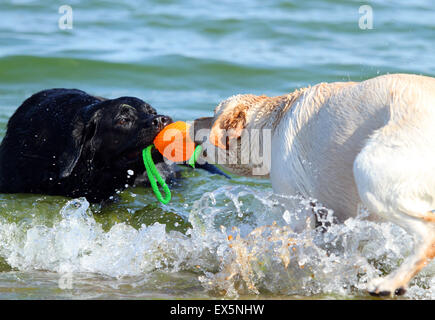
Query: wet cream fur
{"points": [[352, 143]]}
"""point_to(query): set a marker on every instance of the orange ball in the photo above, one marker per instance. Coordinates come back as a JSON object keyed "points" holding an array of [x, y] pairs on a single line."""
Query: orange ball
{"points": [[174, 142]]}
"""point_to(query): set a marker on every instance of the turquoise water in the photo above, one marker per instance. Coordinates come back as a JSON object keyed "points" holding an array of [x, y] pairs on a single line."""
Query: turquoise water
{"points": [[183, 58]]}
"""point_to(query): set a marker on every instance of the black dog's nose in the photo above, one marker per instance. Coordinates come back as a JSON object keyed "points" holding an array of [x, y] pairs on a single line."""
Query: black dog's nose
{"points": [[159, 122]]}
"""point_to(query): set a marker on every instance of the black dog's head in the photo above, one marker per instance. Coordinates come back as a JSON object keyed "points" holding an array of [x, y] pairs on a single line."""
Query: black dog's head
{"points": [[112, 133]]}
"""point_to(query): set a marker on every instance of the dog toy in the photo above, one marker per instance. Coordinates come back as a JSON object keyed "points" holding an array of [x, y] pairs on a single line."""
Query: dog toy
{"points": [[175, 144]]}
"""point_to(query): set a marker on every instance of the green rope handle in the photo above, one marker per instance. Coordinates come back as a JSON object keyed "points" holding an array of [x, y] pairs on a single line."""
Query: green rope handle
{"points": [[195, 156], [154, 176]]}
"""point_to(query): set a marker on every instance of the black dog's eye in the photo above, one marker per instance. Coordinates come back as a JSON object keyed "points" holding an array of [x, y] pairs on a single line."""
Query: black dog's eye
{"points": [[123, 121]]}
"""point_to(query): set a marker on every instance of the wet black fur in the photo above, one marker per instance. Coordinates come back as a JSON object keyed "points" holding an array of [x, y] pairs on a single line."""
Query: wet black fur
{"points": [[67, 142]]}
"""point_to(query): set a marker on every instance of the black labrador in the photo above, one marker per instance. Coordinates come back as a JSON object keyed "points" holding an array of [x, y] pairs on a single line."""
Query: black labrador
{"points": [[67, 142]]}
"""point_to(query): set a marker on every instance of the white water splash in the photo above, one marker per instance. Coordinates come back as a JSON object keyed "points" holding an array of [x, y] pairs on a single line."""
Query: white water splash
{"points": [[241, 242]]}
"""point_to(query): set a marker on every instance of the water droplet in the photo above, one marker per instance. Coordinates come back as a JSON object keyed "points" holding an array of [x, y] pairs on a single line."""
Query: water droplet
{"points": [[286, 216]]}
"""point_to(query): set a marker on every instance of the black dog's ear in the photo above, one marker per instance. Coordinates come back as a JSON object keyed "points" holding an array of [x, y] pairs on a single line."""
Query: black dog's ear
{"points": [[84, 129]]}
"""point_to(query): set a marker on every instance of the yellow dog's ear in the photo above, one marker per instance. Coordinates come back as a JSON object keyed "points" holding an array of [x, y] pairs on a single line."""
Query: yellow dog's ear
{"points": [[229, 126]]}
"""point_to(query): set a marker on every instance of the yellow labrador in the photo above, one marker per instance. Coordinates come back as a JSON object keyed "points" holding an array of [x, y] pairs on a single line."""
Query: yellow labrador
{"points": [[345, 144]]}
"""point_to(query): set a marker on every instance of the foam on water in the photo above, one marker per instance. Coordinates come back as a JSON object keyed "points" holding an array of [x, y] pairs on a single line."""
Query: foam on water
{"points": [[241, 242]]}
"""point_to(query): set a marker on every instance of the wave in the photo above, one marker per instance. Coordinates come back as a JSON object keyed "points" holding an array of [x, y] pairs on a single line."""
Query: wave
{"points": [[241, 242]]}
